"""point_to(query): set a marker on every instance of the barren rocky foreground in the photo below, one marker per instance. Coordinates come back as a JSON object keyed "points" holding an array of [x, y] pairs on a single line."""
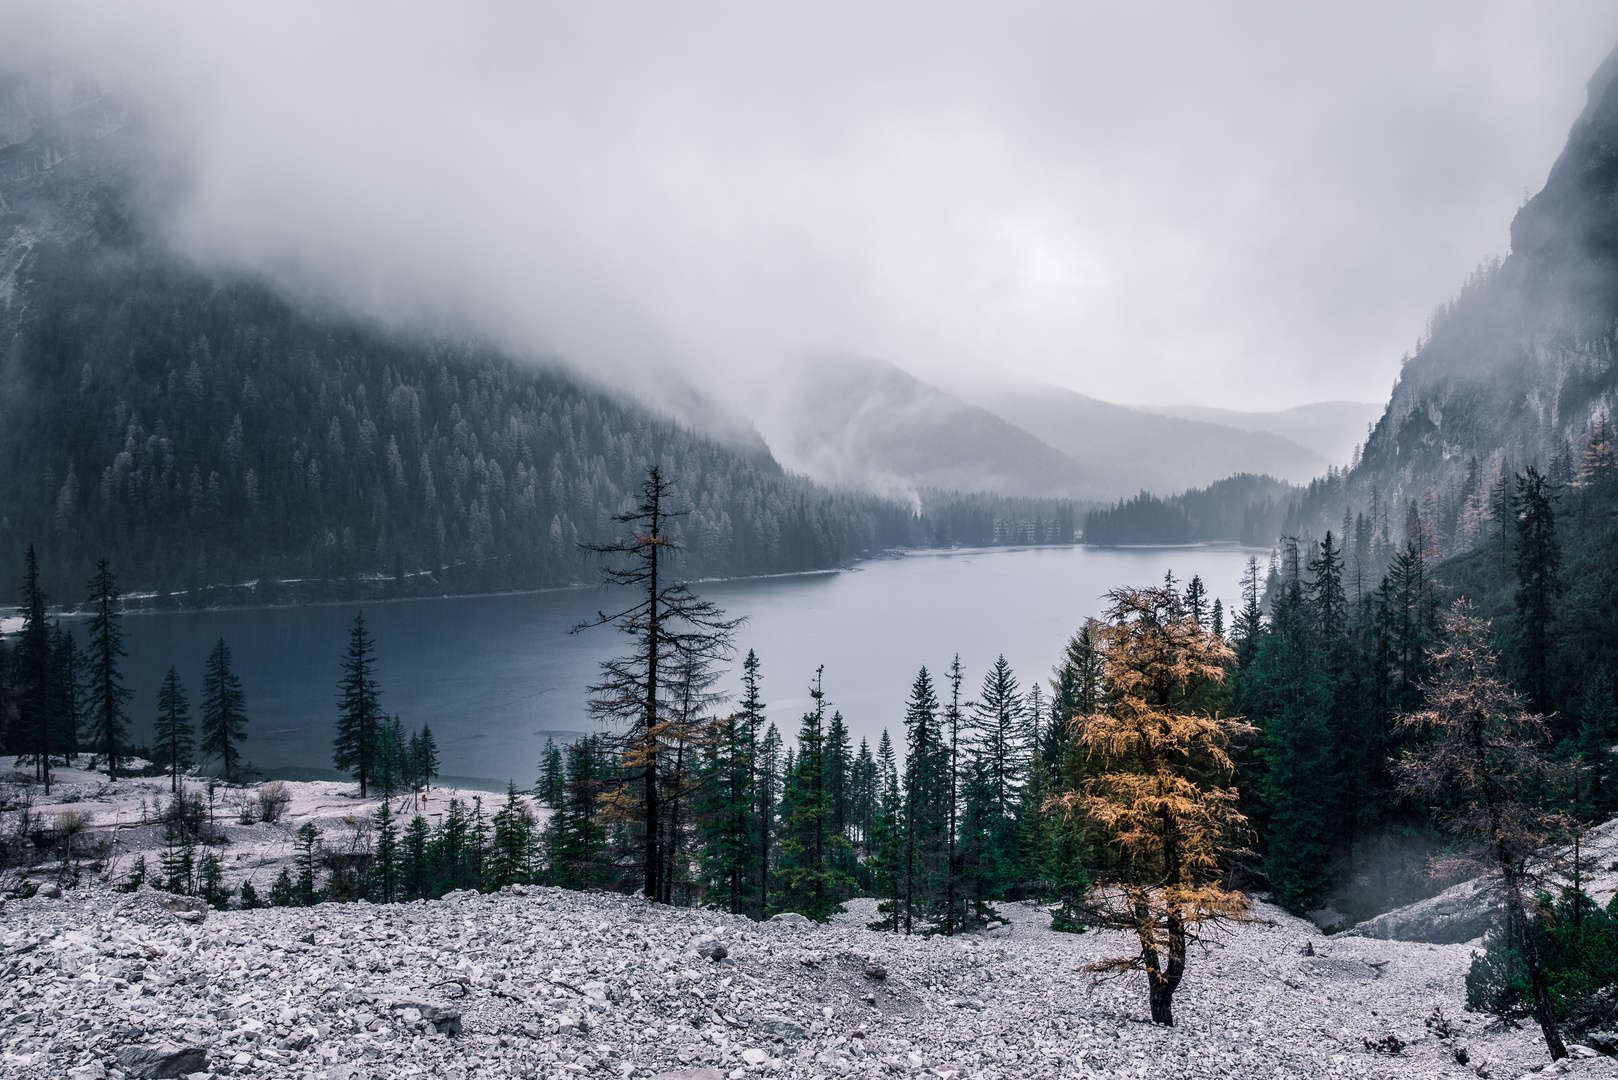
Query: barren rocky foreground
{"points": [[546, 983]]}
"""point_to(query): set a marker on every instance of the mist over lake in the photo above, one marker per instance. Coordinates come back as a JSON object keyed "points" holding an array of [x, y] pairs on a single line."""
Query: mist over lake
{"points": [[496, 675]]}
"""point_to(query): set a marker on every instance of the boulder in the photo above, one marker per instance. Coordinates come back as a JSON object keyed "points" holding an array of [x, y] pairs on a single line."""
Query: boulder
{"points": [[691, 1074], [157, 1061], [444, 1019], [1455, 915], [792, 918]]}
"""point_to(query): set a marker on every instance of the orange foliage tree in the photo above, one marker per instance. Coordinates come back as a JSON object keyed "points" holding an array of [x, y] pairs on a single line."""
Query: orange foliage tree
{"points": [[1160, 788]]}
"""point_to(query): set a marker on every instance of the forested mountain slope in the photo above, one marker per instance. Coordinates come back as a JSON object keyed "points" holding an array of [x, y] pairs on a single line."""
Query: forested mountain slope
{"points": [[1514, 371], [198, 429]]}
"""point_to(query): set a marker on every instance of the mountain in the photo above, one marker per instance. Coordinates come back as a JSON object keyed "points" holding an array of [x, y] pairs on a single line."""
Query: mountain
{"points": [[198, 429], [1243, 509], [1331, 429], [1131, 451], [1514, 371], [849, 420]]}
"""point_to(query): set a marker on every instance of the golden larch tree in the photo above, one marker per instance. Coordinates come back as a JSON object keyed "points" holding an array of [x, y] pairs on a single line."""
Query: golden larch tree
{"points": [[1160, 788]]}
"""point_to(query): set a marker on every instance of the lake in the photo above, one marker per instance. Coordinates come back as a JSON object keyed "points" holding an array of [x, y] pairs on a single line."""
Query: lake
{"points": [[496, 675]]}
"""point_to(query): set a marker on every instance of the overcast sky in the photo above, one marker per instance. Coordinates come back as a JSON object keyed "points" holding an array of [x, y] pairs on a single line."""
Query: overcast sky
{"points": [[1250, 205]]}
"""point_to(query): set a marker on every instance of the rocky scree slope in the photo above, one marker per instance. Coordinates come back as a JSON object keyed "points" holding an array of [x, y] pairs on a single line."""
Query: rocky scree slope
{"points": [[548, 983]]}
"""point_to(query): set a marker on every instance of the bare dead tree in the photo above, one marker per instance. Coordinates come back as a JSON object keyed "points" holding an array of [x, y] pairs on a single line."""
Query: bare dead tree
{"points": [[672, 631], [1479, 768]]}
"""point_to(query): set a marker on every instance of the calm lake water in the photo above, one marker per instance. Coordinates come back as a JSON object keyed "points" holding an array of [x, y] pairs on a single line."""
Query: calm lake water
{"points": [[496, 675]]}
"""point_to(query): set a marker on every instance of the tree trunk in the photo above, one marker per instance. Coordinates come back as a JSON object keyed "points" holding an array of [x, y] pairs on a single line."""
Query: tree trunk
{"points": [[1539, 990], [1162, 998]]}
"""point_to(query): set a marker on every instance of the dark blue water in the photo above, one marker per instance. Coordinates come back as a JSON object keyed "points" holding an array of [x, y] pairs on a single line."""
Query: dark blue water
{"points": [[496, 675]]}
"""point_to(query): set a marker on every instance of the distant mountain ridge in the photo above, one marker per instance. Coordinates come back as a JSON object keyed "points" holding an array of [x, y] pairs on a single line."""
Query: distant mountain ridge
{"points": [[851, 420], [1135, 450], [1332, 429]]}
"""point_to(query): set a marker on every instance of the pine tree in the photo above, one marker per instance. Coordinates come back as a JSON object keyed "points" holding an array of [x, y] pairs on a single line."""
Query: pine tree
{"points": [[729, 852], [211, 882], [1196, 600], [812, 882], [887, 843], [1598, 730], [954, 890], [770, 773], [1217, 623], [1290, 699], [109, 725], [1539, 564], [926, 822], [416, 868], [308, 840], [551, 775], [513, 841], [387, 868], [426, 760], [358, 714], [1160, 794], [224, 712], [1249, 624], [33, 689], [174, 741], [576, 841]]}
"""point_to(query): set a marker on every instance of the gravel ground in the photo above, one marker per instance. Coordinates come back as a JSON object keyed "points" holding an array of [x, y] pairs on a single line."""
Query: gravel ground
{"points": [[547, 983]]}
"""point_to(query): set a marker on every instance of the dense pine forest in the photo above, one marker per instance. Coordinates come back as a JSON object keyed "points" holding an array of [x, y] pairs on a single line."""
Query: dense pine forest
{"points": [[1243, 509]]}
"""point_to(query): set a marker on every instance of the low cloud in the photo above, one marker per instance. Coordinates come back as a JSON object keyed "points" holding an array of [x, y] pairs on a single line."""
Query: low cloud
{"points": [[1249, 205]]}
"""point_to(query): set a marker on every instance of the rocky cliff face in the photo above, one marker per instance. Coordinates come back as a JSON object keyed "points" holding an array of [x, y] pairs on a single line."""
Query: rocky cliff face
{"points": [[1524, 356]]}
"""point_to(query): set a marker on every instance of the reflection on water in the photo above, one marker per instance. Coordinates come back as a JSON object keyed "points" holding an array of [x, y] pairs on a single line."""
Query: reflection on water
{"points": [[496, 675]]}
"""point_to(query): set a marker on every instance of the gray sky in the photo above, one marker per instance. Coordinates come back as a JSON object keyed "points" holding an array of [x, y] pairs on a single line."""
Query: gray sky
{"points": [[1250, 205]]}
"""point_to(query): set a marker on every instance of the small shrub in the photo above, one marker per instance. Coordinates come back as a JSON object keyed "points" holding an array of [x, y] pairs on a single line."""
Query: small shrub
{"points": [[1578, 946], [273, 799], [137, 876], [282, 893], [250, 898]]}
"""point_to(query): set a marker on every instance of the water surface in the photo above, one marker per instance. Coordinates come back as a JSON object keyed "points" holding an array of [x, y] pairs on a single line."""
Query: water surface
{"points": [[496, 675]]}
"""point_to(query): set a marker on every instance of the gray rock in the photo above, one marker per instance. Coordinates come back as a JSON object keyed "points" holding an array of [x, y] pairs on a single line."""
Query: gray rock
{"points": [[792, 918], [445, 1019], [778, 1027], [1455, 915], [50, 890], [162, 1061], [691, 1074]]}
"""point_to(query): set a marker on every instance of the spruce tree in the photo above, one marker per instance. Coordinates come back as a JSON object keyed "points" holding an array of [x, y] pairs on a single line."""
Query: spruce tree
{"points": [[386, 871], [109, 725], [997, 771], [33, 689], [812, 882], [926, 821], [358, 714], [1290, 699], [730, 800], [551, 775], [887, 839], [576, 842], [1539, 585], [770, 772], [511, 848], [416, 868], [427, 759], [307, 859], [953, 719], [174, 741], [224, 712]]}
